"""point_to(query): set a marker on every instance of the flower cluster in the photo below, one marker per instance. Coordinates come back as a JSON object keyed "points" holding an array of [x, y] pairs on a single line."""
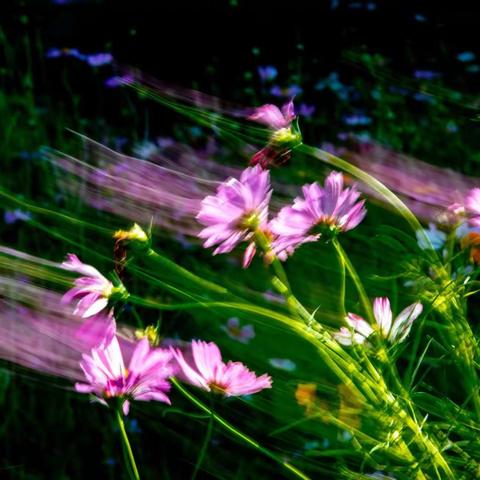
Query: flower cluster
{"points": [[239, 212], [146, 377], [149, 369], [94, 59]]}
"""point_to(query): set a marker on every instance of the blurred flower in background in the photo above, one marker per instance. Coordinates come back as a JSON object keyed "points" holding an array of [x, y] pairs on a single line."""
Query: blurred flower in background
{"points": [[242, 334]]}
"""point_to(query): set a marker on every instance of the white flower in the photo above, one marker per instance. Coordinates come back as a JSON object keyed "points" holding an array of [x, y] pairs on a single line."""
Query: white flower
{"points": [[395, 331]]}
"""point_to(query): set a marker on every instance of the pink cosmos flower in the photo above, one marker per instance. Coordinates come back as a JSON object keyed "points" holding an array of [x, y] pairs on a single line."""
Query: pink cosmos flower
{"points": [[283, 135], [238, 209], [145, 378], [210, 373], [273, 117], [332, 207], [472, 206], [242, 334], [92, 290], [395, 331]]}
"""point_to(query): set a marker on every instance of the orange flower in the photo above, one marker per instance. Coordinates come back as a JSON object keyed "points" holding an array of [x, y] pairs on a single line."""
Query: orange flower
{"points": [[472, 241], [306, 396]]}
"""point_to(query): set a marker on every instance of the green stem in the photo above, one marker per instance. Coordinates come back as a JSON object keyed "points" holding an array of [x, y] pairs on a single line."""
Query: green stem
{"points": [[356, 280], [127, 449], [181, 273], [230, 428], [341, 262], [280, 281], [409, 415], [203, 450], [450, 246]]}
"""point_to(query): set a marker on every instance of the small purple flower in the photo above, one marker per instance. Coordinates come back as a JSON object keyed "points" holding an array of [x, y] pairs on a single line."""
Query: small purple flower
{"points": [[74, 52], [119, 81], [145, 378], [12, 216], [94, 59], [64, 52], [93, 290], [99, 59], [54, 53], [423, 97], [288, 92], [165, 142], [332, 208], [395, 331], [271, 296], [276, 91], [329, 147], [306, 110], [472, 206], [267, 73], [241, 334], [426, 74], [238, 209]]}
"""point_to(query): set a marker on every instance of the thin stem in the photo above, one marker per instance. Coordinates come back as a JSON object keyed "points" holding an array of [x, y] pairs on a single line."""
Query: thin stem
{"points": [[203, 450], [127, 449], [356, 279], [341, 262], [450, 246], [409, 417], [181, 273], [281, 283], [237, 433]]}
